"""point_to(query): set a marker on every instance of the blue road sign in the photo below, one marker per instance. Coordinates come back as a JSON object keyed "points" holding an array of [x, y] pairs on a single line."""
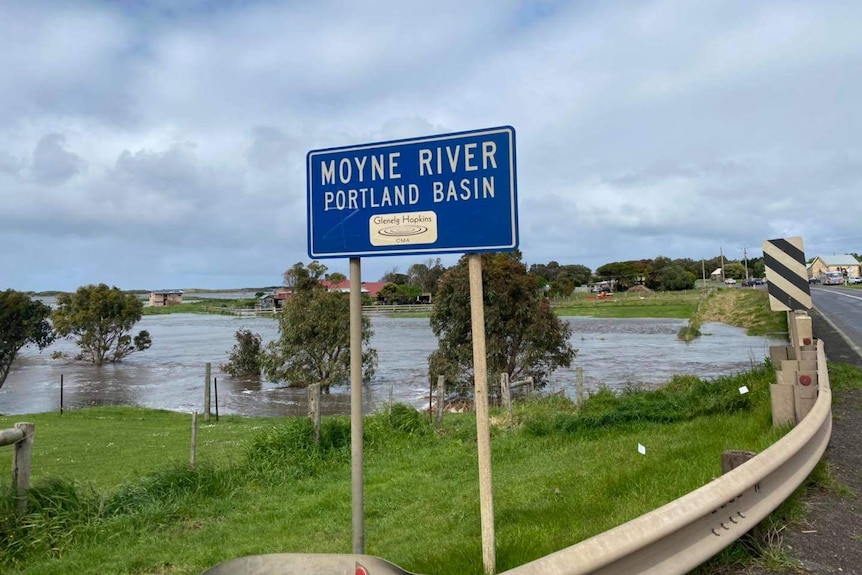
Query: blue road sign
{"points": [[436, 194]]}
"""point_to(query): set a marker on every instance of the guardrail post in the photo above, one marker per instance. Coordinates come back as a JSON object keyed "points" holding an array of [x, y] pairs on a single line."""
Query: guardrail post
{"points": [[795, 391]]}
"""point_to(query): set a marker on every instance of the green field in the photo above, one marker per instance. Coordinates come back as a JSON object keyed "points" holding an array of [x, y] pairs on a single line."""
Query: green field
{"points": [[129, 503], [629, 305], [212, 305], [114, 492]]}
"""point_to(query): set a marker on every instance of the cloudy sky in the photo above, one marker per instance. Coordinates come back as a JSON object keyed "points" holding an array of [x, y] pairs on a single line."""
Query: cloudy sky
{"points": [[154, 144]]}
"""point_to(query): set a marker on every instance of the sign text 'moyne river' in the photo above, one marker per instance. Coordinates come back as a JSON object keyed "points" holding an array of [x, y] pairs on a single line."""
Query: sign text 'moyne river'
{"points": [[436, 194]]}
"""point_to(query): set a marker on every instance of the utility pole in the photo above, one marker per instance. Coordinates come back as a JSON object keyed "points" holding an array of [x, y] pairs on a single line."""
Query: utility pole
{"points": [[721, 252], [745, 256], [703, 270]]}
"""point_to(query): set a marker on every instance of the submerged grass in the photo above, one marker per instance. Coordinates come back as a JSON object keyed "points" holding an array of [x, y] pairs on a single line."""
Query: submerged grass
{"points": [[561, 474]]}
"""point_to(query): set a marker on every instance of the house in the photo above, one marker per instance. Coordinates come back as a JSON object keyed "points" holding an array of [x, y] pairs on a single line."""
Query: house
{"points": [[370, 289], [280, 296], [162, 298], [844, 263], [277, 298]]}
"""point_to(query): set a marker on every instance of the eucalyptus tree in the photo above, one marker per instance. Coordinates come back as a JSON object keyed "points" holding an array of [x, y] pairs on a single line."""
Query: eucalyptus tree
{"points": [[523, 336], [314, 336], [23, 321], [100, 320]]}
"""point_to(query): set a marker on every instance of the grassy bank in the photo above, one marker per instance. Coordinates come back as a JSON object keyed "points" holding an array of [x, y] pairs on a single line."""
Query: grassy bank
{"points": [[745, 308], [114, 493]]}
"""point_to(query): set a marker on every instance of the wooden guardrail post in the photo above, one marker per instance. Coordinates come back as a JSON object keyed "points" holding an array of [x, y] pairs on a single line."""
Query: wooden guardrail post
{"points": [[314, 409]]}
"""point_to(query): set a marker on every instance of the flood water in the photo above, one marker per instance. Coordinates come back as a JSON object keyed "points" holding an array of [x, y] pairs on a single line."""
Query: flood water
{"points": [[170, 375]]}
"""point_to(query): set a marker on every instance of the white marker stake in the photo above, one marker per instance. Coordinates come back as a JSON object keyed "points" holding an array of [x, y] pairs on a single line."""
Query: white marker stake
{"points": [[641, 449], [743, 390]]}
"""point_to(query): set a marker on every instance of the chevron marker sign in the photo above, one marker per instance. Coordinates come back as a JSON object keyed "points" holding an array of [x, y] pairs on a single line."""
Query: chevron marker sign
{"points": [[786, 276]]}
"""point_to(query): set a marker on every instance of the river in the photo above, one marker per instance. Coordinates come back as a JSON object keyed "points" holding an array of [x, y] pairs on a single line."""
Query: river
{"points": [[170, 375]]}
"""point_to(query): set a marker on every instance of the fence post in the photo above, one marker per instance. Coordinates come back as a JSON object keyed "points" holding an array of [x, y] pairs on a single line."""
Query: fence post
{"points": [[194, 454], [207, 392], [21, 463], [506, 392], [441, 398], [314, 409], [215, 393], [580, 386]]}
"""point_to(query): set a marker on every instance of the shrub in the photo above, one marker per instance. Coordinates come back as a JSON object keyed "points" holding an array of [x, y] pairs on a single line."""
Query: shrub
{"points": [[246, 357]]}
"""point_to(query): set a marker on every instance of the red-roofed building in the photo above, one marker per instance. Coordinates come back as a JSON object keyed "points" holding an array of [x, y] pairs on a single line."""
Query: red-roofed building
{"points": [[371, 289]]}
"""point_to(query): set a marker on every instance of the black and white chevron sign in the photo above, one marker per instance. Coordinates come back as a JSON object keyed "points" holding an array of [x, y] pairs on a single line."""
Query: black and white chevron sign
{"points": [[786, 276]]}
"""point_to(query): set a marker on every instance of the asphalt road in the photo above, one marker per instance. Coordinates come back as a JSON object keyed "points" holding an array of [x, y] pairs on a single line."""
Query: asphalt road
{"points": [[842, 307]]}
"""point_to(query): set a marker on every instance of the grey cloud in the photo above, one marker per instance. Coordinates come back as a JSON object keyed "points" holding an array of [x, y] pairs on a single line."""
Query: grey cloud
{"points": [[10, 164], [406, 127], [175, 168], [269, 147], [52, 163]]}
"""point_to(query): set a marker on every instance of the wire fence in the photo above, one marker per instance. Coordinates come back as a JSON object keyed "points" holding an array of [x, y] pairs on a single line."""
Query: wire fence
{"points": [[107, 447]]}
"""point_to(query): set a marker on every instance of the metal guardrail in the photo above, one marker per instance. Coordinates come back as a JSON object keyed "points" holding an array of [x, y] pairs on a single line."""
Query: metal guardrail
{"points": [[681, 535]]}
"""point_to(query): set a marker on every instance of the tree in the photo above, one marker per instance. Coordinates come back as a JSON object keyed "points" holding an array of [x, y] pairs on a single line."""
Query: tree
{"points": [[734, 270], [674, 277], [625, 274], [245, 359], [300, 277], [100, 320], [578, 274], [314, 339], [23, 321], [425, 275], [336, 278], [523, 337], [571, 275], [399, 293], [395, 277]]}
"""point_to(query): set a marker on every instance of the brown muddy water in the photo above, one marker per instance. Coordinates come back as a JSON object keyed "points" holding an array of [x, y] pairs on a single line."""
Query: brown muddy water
{"points": [[170, 375]]}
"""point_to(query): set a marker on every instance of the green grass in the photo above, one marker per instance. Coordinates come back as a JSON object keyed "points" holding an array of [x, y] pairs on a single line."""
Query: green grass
{"points": [[212, 305], [631, 305], [127, 501]]}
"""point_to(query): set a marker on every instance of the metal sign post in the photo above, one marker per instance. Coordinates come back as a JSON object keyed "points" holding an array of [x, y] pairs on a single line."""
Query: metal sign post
{"points": [[356, 424]]}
